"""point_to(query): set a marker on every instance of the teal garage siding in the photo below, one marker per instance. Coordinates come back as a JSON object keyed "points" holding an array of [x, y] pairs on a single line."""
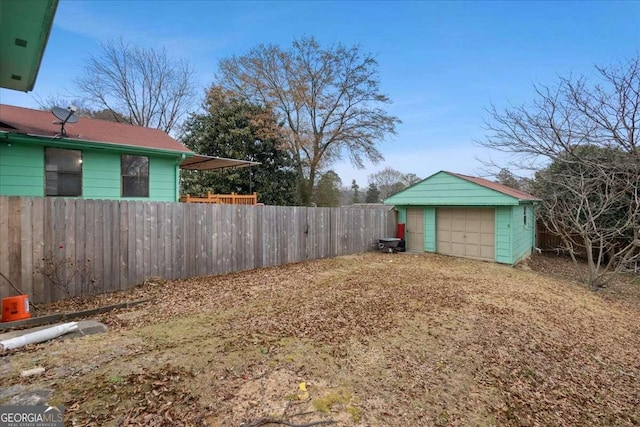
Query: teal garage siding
{"points": [[402, 215], [430, 229], [523, 234], [503, 249], [513, 238]]}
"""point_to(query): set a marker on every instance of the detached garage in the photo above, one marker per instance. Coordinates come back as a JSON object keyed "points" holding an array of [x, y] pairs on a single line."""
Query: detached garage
{"points": [[465, 216]]}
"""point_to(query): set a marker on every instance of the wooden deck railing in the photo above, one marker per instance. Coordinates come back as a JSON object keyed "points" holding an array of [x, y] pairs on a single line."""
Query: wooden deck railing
{"points": [[222, 199]]}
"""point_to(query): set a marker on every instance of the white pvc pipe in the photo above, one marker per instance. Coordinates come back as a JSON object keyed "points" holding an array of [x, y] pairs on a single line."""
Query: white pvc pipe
{"points": [[39, 336]]}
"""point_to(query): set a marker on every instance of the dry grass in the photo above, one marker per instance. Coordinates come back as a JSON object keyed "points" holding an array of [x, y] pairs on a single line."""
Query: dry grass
{"points": [[379, 339]]}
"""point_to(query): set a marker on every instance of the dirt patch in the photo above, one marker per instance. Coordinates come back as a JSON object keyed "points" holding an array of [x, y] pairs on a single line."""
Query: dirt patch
{"points": [[376, 339]]}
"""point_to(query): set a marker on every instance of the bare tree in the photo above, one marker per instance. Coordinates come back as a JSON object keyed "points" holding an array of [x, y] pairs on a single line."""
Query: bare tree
{"points": [[388, 181], [506, 177], [411, 179], [583, 138], [137, 85], [82, 109], [328, 100]]}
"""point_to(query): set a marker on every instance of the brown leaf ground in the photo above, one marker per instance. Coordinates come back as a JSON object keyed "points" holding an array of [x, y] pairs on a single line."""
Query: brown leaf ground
{"points": [[378, 339]]}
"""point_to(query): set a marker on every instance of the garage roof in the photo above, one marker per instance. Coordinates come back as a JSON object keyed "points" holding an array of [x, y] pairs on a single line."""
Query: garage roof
{"points": [[520, 195], [453, 189]]}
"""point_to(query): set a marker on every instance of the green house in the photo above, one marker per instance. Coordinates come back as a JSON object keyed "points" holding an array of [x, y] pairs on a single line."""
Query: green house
{"points": [[92, 159], [465, 216]]}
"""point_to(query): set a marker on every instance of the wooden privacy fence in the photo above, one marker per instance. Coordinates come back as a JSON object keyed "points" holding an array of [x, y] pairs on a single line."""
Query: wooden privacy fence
{"points": [[545, 239], [119, 244]]}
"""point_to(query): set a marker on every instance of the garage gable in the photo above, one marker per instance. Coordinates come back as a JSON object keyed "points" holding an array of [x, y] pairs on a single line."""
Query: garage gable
{"points": [[450, 189]]}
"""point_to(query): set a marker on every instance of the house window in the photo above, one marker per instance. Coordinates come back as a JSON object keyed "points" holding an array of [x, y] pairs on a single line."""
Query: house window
{"points": [[135, 176], [524, 209], [63, 172]]}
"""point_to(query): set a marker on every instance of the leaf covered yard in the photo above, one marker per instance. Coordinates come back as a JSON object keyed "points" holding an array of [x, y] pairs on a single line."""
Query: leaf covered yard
{"points": [[363, 340]]}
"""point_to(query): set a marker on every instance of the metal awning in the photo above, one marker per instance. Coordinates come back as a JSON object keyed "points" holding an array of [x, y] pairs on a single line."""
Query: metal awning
{"points": [[199, 163]]}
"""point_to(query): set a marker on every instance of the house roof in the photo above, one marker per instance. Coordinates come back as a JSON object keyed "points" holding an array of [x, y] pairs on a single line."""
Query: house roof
{"points": [[520, 195], [41, 123]]}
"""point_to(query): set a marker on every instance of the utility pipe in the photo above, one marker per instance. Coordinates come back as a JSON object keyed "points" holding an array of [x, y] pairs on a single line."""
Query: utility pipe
{"points": [[39, 336]]}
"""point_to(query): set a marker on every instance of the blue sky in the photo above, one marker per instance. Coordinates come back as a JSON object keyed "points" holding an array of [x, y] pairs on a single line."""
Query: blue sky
{"points": [[441, 63]]}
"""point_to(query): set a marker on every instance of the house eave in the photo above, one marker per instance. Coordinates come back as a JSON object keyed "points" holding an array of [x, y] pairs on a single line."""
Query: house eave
{"points": [[26, 27]]}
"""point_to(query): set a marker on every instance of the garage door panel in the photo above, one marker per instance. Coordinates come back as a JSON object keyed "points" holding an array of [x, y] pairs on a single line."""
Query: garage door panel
{"points": [[458, 214], [444, 246], [457, 236], [467, 232], [486, 252], [458, 225], [458, 249], [472, 239], [487, 239], [472, 251], [487, 226]]}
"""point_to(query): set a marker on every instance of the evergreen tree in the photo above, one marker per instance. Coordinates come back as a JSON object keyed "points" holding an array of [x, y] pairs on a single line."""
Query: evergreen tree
{"points": [[328, 190], [373, 194], [355, 198], [235, 129]]}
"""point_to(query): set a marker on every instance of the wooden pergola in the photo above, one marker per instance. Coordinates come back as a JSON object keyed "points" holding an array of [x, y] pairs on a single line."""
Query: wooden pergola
{"points": [[199, 162]]}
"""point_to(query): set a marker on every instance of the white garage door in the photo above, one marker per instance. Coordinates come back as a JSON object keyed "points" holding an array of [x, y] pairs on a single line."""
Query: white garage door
{"points": [[466, 232]]}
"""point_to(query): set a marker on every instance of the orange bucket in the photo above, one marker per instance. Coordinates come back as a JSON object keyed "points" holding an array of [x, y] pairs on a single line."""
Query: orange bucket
{"points": [[15, 308]]}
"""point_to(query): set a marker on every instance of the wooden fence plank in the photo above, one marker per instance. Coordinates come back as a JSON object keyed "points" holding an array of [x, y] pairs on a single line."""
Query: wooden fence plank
{"points": [[124, 244], [26, 243], [114, 234], [140, 243], [107, 242], [72, 278], [5, 288], [153, 238], [38, 247], [146, 240], [14, 242], [98, 258]]}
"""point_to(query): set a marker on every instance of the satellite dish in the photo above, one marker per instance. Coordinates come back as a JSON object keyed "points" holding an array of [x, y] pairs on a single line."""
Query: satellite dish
{"points": [[65, 115]]}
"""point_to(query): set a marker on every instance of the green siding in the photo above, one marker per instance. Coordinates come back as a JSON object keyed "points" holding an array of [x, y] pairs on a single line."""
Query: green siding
{"points": [[523, 234], [402, 215], [22, 172], [430, 229], [162, 179], [443, 189], [503, 237], [100, 175]]}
